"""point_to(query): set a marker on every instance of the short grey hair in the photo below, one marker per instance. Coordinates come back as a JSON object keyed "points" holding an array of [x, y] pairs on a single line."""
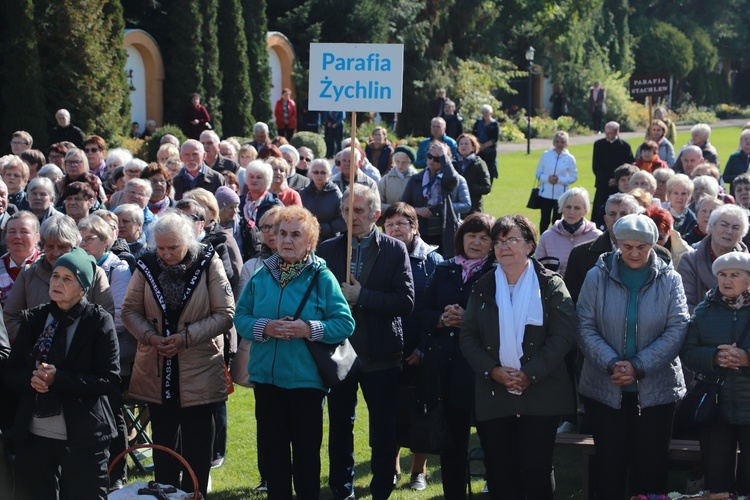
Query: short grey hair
{"points": [[142, 183], [119, 155], [98, 226], [62, 229], [130, 208], [680, 180], [136, 162], [51, 172], [486, 107], [692, 148], [613, 125], [644, 174], [260, 126], [78, 153], [561, 134], [360, 191], [193, 142], [357, 154], [174, 223], [229, 144], [211, 135], [288, 148], [663, 174], [576, 191], [625, 199], [709, 185], [312, 155], [701, 128], [319, 162], [42, 182], [733, 211], [260, 167]]}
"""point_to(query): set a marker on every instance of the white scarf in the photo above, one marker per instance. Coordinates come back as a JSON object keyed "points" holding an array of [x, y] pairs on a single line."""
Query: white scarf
{"points": [[513, 316]]}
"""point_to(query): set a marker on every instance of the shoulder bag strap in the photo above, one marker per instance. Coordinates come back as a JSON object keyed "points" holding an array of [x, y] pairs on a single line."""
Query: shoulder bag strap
{"points": [[307, 294]]}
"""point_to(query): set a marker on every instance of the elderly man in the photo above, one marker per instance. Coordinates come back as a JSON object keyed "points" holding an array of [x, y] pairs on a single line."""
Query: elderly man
{"points": [[583, 257], [699, 136], [381, 291], [306, 158], [260, 136], [609, 153], [214, 158], [65, 130], [295, 180], [195, 173], [346, 170], [20, 141], [437, 132], [690, 157]]}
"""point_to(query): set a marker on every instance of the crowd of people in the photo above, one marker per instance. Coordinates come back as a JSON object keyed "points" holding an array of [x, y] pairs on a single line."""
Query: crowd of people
{"points": [[121, 279]]}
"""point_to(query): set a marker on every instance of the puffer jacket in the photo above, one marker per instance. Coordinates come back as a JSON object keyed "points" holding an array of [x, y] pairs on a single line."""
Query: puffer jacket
{"points": [[424, 259], [558, 243], [205, 317], [544, 350], [715, 323], [695, 269], [325, 204], [562, 165], [660, 332]]}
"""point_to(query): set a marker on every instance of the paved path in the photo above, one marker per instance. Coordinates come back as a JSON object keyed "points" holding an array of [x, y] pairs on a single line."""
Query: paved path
{"points": [[544, 144]]}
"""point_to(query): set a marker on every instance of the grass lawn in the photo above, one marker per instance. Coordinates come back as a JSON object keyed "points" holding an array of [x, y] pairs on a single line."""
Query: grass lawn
{"points": [[239, 475]]}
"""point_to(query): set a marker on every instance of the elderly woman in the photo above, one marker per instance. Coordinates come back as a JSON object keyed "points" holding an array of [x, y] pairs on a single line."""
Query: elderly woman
{"points": [[643, 180], [131, 170], [165, 152], [679, 191], [487, 132], [56, 154], [115, 158], [662, 176], [444, 301], [161, 187], [22, 239], [434, 194], [391, 186], [279, 317], [268, 246], [517, 328], [717, 349], [41, 197], [555, 172], [706, 206], [130, 227], [64, 363], [738, 161], [178, 305], [245, 155], [79, 198], [379, 150], [727, 225], [255, 203], [323, 199], [15, 173], [76, 167], [279, 186], [704, 186], [58, 236], [633, 320], [665, 148], [556, 243], [473, 169]]}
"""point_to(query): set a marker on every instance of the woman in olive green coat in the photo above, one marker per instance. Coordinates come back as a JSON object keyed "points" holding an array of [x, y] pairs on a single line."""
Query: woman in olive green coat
{"points": [[518, 326]]}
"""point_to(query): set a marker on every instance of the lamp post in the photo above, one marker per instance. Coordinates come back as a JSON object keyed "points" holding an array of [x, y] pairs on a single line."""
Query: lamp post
{"points": [[530, 58]]}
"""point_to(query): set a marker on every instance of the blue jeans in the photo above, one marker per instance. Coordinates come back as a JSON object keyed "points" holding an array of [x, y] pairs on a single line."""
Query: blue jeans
{"points": [[380, 389]]}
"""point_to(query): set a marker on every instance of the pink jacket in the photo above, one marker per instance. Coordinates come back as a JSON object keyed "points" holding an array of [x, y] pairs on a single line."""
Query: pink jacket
{"points": [[557, 242]]}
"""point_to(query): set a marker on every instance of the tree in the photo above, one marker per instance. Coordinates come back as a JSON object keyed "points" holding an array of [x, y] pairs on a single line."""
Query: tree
{"points": [[236, 94], [254, 13], [664, 49], [212, 79], [22, 92], [85, 58]]}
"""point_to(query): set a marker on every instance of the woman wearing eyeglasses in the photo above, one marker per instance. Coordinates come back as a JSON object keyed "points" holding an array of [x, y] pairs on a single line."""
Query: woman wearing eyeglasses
{"points": [[161, 187], [268, 247], [633, 320], [257, 201], [518, 326], [323, 199]]}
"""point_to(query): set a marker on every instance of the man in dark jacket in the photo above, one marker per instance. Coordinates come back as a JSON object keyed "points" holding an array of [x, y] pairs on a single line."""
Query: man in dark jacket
{"points": [[214, 159], [195, 173], [381, 291], [609, 153], [65, 131]]}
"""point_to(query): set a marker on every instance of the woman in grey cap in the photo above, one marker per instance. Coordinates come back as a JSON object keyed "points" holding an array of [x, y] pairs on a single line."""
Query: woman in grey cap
{"points": [[632, 323], [712, 351]]}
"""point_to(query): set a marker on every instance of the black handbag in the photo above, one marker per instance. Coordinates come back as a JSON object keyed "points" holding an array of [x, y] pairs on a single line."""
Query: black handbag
{"points": [[534, 202], [335, 362], [701, 402]]}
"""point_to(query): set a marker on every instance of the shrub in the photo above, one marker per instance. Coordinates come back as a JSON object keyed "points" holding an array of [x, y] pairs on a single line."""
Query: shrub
{"points": [[636, 116], [138, 147], [311, 140], [364, 131], [509, 132], [726, 111], [689, 114], [153, 143]]}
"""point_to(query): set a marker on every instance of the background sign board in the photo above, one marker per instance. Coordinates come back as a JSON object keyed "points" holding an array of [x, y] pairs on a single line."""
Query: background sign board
{"points": [[356, 77], [649, 85]]}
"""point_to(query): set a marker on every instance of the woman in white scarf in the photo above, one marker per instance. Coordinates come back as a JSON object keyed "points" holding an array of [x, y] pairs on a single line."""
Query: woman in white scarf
{"points": [[517, 328]]}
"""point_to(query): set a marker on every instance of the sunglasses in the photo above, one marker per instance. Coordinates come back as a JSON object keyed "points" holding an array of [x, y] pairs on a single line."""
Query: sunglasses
{"points": [[305, 159], [91, 150], [431, 157]]}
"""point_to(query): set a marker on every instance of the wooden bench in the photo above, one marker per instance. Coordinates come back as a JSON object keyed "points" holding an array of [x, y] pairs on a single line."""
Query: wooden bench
{"points": [[680, 450]]}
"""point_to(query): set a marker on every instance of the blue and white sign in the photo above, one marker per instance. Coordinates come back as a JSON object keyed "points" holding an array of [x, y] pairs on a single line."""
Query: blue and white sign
{"points": [[356, 77]]}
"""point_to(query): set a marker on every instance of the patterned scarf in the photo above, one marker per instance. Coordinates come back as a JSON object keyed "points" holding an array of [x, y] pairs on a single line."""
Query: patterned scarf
{"points": [[737, 302], [251, 208], [172, 279], [159, 206], [470, 266], [432, 188], [291, 271]]}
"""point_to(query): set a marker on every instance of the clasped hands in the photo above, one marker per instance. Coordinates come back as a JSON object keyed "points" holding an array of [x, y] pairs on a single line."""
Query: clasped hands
{"points": [[453, 316], [167, 347], [43, 377], [731, 356], [287, 328], [515, 381], [623, 374]]}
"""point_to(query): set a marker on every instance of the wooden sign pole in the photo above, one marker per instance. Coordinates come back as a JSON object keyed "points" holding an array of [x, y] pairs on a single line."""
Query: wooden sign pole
{"points": [[349, 222]]}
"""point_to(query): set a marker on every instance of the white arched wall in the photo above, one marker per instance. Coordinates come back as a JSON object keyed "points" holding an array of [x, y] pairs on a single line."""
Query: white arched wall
{"points": [[281, 60], [138, 81]]}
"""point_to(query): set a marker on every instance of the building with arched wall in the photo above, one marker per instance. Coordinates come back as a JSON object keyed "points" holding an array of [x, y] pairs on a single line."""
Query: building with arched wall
{"points": [[145, 70]]}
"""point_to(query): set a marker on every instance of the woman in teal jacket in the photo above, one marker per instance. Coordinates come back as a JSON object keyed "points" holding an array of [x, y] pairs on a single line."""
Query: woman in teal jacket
{"points": [[715, 347], [289, 391]]}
